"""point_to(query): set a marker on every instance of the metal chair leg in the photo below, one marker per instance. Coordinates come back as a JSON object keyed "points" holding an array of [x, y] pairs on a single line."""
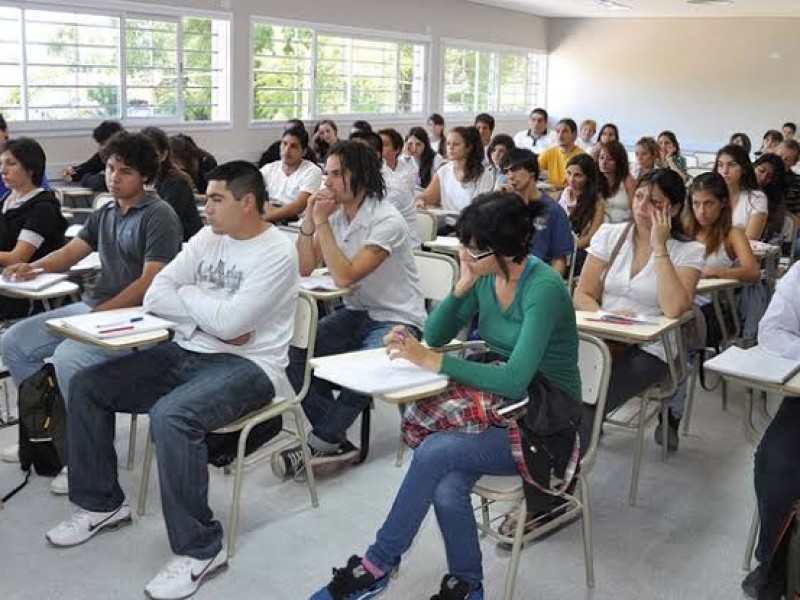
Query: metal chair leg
{"points": [[132, 442], [233, 522], [751, 541], [301, 435], [586, 517], [664, 429], [687, 415], [637, 452], [148, 461], [516, 550]]}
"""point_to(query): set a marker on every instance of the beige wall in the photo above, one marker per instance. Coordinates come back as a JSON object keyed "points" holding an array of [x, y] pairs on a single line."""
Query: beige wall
{"points": [[435, 18], [704, 78]]}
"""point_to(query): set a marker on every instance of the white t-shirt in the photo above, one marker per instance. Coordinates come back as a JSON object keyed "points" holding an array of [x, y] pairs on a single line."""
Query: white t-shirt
{"points": [[720, 258], [401, 196], [640, 293], [404, 175], [455, 195], [219, 288], [285, 188], [750, 202], [392, 292], [618, 206], [523, 139]]}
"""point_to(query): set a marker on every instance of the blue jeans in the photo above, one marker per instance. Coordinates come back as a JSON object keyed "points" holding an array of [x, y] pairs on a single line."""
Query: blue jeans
{"points": [[187, 395], [677, 402], [344, 330], [28, 343], [444, 469]]}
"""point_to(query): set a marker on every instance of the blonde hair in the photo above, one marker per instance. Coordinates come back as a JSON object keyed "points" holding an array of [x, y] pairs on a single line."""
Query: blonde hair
{"points": [[589, 123]]}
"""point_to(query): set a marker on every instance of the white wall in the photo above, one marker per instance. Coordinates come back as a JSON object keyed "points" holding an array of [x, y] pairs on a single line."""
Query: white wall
{"points": [[435, 18], [703, 78]]}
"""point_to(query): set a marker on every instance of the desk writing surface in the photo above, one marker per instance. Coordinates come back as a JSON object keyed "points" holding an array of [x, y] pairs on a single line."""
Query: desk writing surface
{"points": [[118, 343], [792, 387], [63, 288], [711, 284], [73, 190], [633, 334]]}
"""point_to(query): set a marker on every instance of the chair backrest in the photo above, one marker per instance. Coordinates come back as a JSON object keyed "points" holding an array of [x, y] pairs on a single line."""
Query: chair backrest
{"points": [[789, 234], [705, 159], [438, 274], [305, 334], [571, 272], [426, 225], [594, 364], [695, 171], [101, 200], [691, 160]]}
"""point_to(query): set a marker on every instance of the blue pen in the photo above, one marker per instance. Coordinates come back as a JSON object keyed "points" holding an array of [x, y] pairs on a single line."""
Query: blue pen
{"points": [[120, 323]]}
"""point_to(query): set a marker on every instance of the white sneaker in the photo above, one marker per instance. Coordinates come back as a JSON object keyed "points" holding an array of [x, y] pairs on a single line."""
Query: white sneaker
{"points": [[10, 454], [85, 524], [181, 577], [60, 484]]}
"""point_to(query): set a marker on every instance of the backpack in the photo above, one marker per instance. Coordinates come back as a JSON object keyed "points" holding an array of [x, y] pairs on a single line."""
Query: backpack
{"points": [[42, 423], [222, 447]]}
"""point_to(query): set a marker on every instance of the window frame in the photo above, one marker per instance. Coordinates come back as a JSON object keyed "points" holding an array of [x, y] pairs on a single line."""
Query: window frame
{"points": [[355, 33], [498, 50], [124, 10]]}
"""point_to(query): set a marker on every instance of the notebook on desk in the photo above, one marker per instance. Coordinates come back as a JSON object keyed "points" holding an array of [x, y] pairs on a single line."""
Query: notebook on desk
{"points": [[318, 283], [118, 323], [754, 363], [378, 375], [37, 284]]}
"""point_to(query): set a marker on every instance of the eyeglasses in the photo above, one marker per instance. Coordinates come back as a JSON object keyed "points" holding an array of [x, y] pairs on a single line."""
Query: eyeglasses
{"points": [[480, 255]]}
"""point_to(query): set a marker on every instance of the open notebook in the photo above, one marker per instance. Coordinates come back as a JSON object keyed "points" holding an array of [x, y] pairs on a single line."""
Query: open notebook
{"points": [[377, 374], [754, 363], [118, 323], [38, 283]]}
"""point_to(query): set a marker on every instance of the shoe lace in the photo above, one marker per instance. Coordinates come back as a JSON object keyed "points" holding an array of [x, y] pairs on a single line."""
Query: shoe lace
{"points": [[175, 568], [296, 466]]}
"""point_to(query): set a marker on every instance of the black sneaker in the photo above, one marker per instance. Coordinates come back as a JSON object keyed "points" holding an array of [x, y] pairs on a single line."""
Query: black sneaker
{"points": [[453, 588], [754, 581], [672, 432], [353, 582], [289, 463]]}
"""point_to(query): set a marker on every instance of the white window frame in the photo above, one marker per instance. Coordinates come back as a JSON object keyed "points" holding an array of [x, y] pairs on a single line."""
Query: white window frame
{"points": [[318, 29], [123, 10], [459, 44]]}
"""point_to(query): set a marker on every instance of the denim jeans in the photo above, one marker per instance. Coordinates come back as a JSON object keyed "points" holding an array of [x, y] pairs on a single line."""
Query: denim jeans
{"points": [[677, 402], [777, 475], [344, 330], [187, 395], [28, 343], [444, 469]]}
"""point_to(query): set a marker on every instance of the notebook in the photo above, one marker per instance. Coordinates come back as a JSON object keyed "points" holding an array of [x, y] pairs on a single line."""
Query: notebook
{"points": [[117, 323], [625, 319], [377, 374], [318, 283], [754, 363], [38, 283]]}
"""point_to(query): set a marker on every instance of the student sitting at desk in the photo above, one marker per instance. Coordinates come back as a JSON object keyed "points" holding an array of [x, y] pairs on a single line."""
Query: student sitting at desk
{"points": [[777, 470], [553, 240], [526, 318], [291, 180], [365, 244], [135, 236], [227, 360], [748, 203], [91, 174], [420, 156], [31, 223], [616, 182], [647, 267], [581, 201], [554, 160]]}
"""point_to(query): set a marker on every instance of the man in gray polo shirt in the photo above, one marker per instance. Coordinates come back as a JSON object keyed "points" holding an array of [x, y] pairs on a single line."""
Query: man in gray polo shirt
{"points": [[136, 236], [366, 246]]}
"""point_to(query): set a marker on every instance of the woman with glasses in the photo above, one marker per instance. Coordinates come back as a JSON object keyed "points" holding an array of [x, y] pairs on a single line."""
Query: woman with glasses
{"points": [[749, 204], [644, 267], [526, 319]]}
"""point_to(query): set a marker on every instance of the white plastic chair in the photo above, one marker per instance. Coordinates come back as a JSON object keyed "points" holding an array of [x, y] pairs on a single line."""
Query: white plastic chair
{"points": [[594, 362], [788, 236], [304, 337], [426, 225], [691, 160], [706, 159]]}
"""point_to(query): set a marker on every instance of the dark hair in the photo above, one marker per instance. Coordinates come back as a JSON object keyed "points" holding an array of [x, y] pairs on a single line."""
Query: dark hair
{"points": [[792, 145], [321, 147], [436, 119], [522, 158], [364, 167], [166, 167], [540, 111], [672, 138], [105, 130], [748, 181], [3, 124], [241, 178], [501, 139], [370, 138], [394, 136], [746, 143], [135, 150], [775, 190], [485, 118], [622, 168], [474, 163], [714, 184], [500, 221], [583, 213], [300, 133], [30, 155], [672, 186], [573, 126], [773, 135], [361, 125], [610, 126], [185, 151], [426, 160], [291, 123], [790, 125]]}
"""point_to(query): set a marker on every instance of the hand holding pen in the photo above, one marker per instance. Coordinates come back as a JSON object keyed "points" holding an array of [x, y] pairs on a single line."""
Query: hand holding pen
{"points": [[21, 272], [401, 344]]}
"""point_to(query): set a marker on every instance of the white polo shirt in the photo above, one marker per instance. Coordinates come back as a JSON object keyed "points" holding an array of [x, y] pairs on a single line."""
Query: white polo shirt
{"points": [[523, 139], [392, 292], [285, 188]]}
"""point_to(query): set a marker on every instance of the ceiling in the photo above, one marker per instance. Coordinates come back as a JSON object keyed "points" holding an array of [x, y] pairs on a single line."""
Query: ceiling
{"points": [[649, 8]]}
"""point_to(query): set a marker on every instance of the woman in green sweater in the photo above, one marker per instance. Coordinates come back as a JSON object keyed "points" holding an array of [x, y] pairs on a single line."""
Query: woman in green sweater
{"points": [[526, 317]]}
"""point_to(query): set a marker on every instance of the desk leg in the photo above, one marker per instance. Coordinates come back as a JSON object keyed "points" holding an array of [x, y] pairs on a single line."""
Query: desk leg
{"points": [[401, 446], [737, 325], [687, 415], [365, 427], [132, 442]]}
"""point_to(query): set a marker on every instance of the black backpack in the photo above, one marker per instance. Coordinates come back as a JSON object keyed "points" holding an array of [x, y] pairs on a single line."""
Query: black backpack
{"points": [[222, 447], [42, 423]]}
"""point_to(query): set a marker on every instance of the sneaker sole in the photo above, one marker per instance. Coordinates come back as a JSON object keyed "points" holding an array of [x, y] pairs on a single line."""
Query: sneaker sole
{"points": [[110, 527], [332, 465], [218, 570]]}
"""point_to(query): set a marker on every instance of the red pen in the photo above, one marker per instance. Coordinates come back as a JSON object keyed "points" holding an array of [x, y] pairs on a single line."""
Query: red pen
{"points": [[116, 329], [610, 321]]}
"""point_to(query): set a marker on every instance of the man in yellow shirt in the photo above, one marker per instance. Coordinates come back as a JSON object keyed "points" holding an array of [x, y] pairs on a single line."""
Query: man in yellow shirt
{"points": [[554, 160]]}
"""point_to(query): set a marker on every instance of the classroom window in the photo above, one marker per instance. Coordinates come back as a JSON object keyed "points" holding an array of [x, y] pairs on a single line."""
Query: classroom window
{"points": [[82, 64], [478, 80], [301, 72]]}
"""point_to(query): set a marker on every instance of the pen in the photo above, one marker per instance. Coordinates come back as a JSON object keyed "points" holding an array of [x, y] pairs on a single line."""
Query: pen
{"points": [[610, 321], [121, 323], [115, 329]]}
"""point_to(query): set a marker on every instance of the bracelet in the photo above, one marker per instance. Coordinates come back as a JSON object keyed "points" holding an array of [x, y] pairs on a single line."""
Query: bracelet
{"points": [[321, 224], [306, 234], [662, 255]]}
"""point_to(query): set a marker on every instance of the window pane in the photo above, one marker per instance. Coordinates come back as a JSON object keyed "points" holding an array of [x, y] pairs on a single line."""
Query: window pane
{"points": [[10, 64], [460, 75], [72, 65], [514, 83], [282, 72], [411, 92], [205, 62], [537, 79], [151, 73]]}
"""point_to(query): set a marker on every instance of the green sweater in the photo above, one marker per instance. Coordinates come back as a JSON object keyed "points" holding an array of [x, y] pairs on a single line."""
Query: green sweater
{"points": [[537, 333]]}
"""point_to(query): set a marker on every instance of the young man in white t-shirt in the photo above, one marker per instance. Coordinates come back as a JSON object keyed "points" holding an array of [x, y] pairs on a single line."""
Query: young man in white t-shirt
{"points": [[366, 247], [232, 293], [291, 180]]}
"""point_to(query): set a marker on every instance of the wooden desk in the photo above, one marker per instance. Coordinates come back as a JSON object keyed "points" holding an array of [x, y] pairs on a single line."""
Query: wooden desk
{"points": [[126, 342], [715, 288], [628, 334], [324, 295], [711, 285], [61, 289]]}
